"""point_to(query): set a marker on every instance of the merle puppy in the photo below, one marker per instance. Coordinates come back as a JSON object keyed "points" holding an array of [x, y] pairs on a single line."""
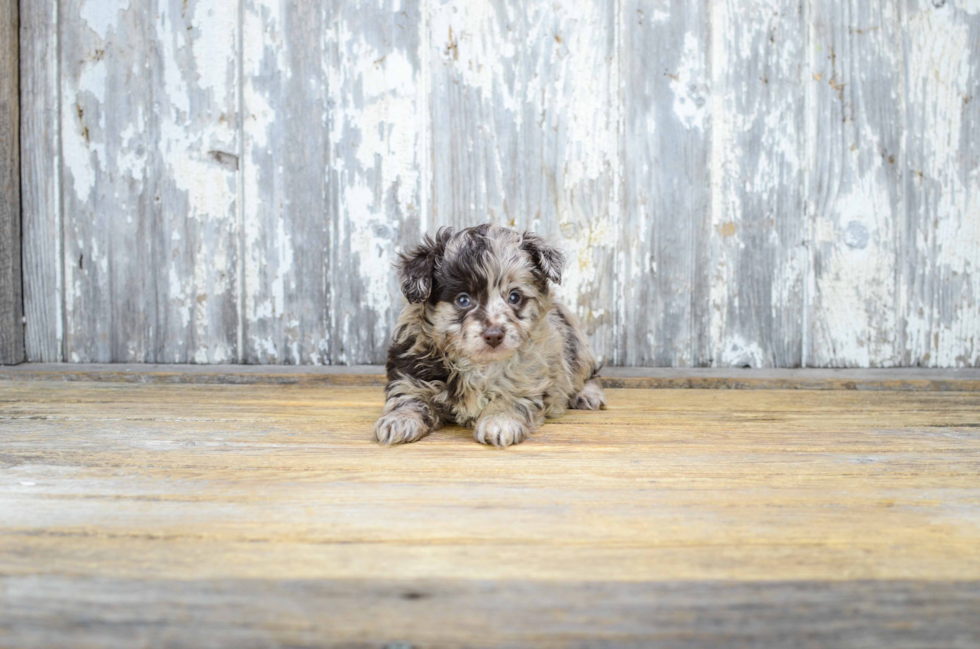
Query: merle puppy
{"points": [[483, 342]]}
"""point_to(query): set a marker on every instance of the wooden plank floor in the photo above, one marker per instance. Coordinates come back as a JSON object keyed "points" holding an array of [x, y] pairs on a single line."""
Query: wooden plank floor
{"points": [[264, 515]]}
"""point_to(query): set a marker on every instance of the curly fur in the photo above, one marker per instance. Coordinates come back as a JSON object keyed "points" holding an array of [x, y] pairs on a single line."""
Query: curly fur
{"points": [[441, 368]]}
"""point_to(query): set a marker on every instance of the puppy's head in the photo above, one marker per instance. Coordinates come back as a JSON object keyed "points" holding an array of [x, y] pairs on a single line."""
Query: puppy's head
{"points": [[484, 289]]}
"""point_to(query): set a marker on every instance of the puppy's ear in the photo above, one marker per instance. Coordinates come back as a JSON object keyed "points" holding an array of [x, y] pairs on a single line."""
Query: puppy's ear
{"points": [[548, 260], [415, 267]]}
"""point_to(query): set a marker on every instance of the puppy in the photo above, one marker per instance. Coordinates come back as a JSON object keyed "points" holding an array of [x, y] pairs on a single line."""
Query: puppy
{"points": [[483, 342]]}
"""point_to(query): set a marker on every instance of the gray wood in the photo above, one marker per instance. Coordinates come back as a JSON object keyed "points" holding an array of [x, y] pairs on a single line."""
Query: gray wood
{"points": [[571, 153], [55, 610], [477, 93], [903, 379], [377, 167], [289, 199], [664, 247], [759, 262], [244, 516], [11, 303], [40, 181], [107, 191], [149, 137], [736, 183], [193, 168], [855, 159], [939, 275]]}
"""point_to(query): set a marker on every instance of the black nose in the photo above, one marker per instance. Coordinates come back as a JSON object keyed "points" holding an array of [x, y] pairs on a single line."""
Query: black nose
{"points": [[493, 336]]}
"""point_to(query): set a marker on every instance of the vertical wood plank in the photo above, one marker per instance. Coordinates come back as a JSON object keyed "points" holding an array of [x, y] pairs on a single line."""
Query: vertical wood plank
{"points": [[289, 202], [40, 181], [194, 169], [571, 147], [148, 126], [758, 268], [941, 248], [855, 191], [107, 194], [377, 156], [11, 305], [663, 315], [477, 110]]}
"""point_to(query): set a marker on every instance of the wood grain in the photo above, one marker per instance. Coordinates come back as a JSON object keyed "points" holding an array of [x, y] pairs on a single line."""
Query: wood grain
{"points": [[108, 196], [914, 379], [43, 257], [378, 98], [289, 199], [476, 100], [756, 183], [259, 510], [664, 270], [65, 611], [11, 303], [571, 152], [193, 165], [149, 136], [856, 197], [759, 235], [940, 280]]}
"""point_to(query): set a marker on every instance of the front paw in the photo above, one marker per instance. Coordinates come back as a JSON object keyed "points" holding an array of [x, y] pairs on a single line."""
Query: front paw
{"points": [[400, 427], [590, 398], [500, 431]]}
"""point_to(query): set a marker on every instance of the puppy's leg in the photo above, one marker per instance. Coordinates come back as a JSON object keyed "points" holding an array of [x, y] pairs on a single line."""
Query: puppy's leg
{"points": [[405, 419], [590, 397], [506, 424]]}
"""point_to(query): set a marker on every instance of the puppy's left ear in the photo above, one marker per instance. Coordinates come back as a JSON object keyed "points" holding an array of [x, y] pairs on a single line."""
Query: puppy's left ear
{"points": [[548, 260], [415, 268]]}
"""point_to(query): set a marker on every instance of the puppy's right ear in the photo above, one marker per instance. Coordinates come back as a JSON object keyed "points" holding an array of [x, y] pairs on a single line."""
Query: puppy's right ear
{"points": [[415, 268]]}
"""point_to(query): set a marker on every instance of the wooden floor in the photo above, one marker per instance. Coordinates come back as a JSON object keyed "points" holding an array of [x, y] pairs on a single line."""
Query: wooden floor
{"points": [[264, 515]]}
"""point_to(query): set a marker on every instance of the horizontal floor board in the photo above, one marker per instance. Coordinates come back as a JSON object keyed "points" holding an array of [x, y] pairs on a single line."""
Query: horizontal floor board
{"points": [[265, 515], [905, 379], [455, 613]]}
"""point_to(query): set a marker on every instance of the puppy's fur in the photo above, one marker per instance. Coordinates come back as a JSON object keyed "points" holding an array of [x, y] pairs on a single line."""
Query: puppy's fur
{"points": [[482, 342]]}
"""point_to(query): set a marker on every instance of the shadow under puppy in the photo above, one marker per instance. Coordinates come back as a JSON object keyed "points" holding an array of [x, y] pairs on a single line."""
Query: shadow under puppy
{"points": [[483, 342]]}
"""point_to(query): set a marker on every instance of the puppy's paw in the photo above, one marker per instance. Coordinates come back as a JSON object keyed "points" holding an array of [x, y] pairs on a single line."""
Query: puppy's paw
{"points": [[401, 427], [500, 431], [590, 398]]}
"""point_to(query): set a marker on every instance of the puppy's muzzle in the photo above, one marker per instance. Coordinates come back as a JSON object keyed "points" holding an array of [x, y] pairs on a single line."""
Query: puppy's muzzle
{"points": [[493, 336]]}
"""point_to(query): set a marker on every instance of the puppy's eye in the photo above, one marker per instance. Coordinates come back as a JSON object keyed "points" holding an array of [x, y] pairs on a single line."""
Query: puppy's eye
{"points": [[463, 301], [515, 297]]}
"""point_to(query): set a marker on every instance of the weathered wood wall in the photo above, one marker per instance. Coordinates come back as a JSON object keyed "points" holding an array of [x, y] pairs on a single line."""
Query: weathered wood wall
{"points": [[737, 182], [11, 302]]}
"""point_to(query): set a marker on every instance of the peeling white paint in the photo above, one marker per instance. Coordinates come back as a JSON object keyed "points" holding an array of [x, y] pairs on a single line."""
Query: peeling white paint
{"points": [[687, 84], [856, 286], [971, 7], [944, 66], [534, 137], [375, 139], [102, 15]]}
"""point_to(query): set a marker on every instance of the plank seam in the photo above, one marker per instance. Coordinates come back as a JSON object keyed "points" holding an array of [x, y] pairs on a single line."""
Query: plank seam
{"points": [[913, 379], [904, 356], [20, 177], [59, 179], [240, 177], [807, 65], [619, 192]]}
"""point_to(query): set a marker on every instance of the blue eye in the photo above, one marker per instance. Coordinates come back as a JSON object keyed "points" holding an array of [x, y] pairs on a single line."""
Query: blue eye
{"points": [[463, 301], [514, 298]]}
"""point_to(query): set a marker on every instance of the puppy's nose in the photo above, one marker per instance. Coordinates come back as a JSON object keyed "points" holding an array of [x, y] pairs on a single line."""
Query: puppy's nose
{"points": [[493, 336]]}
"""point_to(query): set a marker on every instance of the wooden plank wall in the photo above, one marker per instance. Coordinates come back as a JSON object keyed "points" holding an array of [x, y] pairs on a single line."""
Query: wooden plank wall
{"points": [[765, 183], [11, 302]]}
